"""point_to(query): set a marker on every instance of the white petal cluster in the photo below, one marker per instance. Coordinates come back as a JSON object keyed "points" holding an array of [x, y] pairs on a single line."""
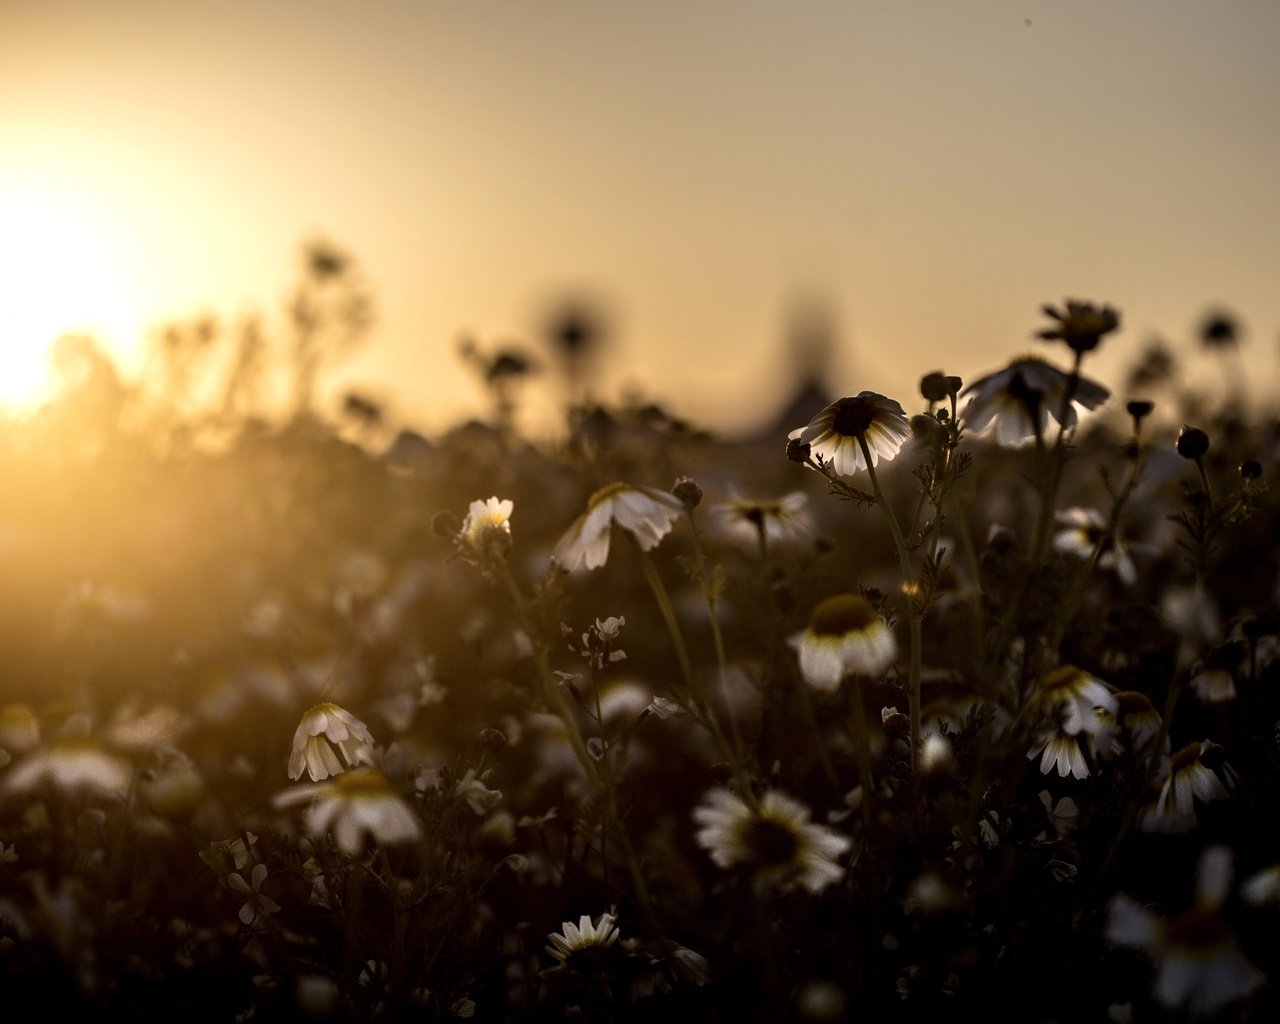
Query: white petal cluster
{"points": [[644, 512]]}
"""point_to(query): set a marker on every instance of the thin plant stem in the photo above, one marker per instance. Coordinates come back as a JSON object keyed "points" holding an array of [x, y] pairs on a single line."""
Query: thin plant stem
{"points": [[913, 614], [705, 713], [862, 744]]}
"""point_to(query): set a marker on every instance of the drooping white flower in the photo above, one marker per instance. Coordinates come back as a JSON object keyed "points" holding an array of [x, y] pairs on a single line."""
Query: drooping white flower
{"points": [[355, 805], [583, 947], [1019, 400], [644, 512], [325, 731], [845, 636]]}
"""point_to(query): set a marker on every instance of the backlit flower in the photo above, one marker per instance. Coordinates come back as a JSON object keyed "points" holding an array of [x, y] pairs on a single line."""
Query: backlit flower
{"points": [[1134, 721], [644, 512], [845, 635], [584, 947], [1080, 325], [1189, 778], [486, 531], [1199, 965], [1021, 399], [1081, 530], [1073, 695], [354, 805], [324, 732], [780, 845], [1060, 750], [836, 433], [752, 521], [76, 765]]}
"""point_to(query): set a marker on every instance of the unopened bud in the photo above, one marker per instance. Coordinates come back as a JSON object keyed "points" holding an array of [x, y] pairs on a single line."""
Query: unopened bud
{"points": [[797, 450], [687, 490], [1192, 442]]}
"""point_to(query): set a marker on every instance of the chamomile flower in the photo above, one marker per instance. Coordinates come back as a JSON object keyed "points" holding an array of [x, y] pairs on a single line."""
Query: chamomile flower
{"points": [[585, 947], [1074, 695], [752, 522], [1018, 401], [644, 512], [1081, 530], [74, 764], [1199, 965], [325, 731], [836, 433], [486, 531], [1189, 778], [1060, 750], [779, 844], [845, 635], [1080, 325], [1135, 721], [355, 805]]}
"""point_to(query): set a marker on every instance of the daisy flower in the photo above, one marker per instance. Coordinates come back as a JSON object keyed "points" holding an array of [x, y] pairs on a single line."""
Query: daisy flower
{"points": [[486, 531], [1021, 399], [836, 432], [75, 764], [1060, 750], [325, 731], [354, 805], [583, 947], [1189, 777], [1080, 531], [1080, 325], [845, 635], [644, 512], [779, 844], [1075, 695], [753, 521], [1199, 965], [1134, 718]]}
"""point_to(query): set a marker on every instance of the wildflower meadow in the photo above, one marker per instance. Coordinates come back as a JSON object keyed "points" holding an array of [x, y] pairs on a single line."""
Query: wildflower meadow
{"points": [[956, 704]]}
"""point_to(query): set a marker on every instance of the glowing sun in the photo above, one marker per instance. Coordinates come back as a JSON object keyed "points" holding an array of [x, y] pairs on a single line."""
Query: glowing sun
{"points": [[58, 273]]}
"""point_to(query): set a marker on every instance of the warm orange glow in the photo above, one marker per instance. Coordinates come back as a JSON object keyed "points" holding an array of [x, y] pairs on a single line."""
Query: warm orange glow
{"points": [[58, 273]]}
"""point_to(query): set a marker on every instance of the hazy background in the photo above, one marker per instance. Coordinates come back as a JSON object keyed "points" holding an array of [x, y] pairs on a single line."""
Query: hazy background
{"points": [[929, 172]]}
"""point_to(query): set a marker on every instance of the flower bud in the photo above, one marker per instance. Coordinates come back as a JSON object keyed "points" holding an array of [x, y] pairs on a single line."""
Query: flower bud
{"points": [[797, 450], [1192, 442], [687, 490]]}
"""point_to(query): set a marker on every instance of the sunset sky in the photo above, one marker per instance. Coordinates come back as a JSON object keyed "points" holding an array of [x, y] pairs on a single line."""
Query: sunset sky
{"points": [[932, 172]]}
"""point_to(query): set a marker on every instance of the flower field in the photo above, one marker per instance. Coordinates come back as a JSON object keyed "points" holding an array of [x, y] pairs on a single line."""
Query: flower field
{"points": [[932, 706]]}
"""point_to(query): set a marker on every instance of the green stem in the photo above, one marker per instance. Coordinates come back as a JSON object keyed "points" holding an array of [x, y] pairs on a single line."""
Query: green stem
{"points": [[913, 616], [862, 743], [705, 714], [550, 686]]}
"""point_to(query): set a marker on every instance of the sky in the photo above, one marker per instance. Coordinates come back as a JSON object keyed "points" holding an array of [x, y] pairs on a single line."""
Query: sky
{"points": [[929, 172]]}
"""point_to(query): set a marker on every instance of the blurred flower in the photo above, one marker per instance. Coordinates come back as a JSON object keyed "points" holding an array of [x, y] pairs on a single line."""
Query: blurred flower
{"points": [[779, 844], [1199, 965], [1262, 887], [227, 855], [1082, 530], [584, 947], [19, 728], [486, 531], [1022, 398], [1219, 330], [76, 764], [256, 904], [1188, 778], [1192, 442], [834, 435], [645, 512], [479, 797], [323, 727], [1080, 325], [845, 635], [1073, 694], [358, 803], [1134, 718], [747, 520]]}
